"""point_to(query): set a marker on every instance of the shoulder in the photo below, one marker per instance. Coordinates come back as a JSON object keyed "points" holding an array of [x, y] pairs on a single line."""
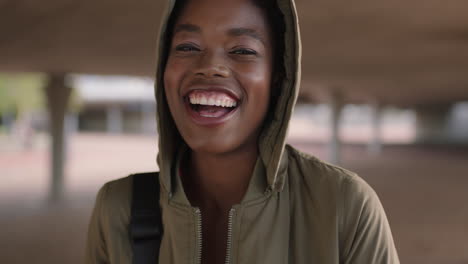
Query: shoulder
{"points": [[315, 173], [115, 197], [364, 232], [114, 201], [116, 188], [117, 191], [108, 233], [339, 190], [346, 188], [109, 220]]}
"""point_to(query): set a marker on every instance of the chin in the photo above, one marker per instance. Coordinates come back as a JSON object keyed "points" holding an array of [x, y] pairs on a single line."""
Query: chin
{"points": [[213, 146]]}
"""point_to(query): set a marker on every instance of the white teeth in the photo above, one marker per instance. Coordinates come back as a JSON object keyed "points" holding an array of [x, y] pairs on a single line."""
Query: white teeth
{"points": [[211, 101], [230, 104], [204, 100]]}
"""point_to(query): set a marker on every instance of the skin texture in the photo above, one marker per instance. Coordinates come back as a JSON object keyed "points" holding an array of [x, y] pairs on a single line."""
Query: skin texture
{"points": [[228, 44]]}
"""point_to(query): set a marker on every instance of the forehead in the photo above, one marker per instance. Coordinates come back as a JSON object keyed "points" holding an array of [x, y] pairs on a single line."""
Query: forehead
{"points": [[223, 15]]}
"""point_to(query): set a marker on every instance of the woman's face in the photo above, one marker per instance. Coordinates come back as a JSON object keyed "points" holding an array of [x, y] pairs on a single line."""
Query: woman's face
{"points": [[218, 74]]}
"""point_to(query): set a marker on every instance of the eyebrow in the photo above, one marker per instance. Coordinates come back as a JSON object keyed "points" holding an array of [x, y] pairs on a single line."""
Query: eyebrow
{"points": [[232, 32], [187, 27], [246, 32]]}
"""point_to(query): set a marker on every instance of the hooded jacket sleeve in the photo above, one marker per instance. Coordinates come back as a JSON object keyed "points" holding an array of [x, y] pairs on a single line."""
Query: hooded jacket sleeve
{"points": [[366, 234], [96, 252]]}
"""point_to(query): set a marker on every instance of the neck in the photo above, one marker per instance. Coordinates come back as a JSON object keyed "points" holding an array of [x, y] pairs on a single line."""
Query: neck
{"points": [[218, 181]]}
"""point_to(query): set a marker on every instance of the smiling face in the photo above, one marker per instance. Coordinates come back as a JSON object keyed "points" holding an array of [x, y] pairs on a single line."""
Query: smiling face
{"points": [[218, 74]]}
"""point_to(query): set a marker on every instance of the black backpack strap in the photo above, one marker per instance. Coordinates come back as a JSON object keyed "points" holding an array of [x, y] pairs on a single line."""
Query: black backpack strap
{"points": [[146, 224]]}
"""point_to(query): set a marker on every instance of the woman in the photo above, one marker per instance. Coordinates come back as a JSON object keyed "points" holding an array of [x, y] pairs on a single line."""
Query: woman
{"points": [[231, 191]]}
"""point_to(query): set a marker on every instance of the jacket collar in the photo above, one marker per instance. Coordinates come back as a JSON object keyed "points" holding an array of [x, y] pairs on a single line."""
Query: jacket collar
{"points": [[257, 189]]}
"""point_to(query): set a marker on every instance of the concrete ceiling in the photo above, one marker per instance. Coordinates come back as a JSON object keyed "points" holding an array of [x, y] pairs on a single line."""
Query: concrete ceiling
{"points": [[400, 52]]}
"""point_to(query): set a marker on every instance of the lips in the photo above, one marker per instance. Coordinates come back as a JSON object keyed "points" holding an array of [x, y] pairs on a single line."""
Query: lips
{"points": [[211, 106]]}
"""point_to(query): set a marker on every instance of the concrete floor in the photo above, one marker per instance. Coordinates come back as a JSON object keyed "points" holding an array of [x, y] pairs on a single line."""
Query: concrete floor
{"points": [[423, 190]]}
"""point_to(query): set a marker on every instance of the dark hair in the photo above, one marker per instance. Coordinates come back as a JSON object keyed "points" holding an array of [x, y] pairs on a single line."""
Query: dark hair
{"points": [[277, 27]]}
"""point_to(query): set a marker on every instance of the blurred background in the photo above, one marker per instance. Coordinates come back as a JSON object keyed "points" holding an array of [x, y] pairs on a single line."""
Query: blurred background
{"points": [[384, 93]]}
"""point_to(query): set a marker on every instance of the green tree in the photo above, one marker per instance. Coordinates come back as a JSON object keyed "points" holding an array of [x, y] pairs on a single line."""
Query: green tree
{"points": [[21, 92]]}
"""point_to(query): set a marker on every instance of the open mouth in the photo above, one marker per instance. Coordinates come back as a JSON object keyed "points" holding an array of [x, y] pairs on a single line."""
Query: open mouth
{"points": [[208, 106]]}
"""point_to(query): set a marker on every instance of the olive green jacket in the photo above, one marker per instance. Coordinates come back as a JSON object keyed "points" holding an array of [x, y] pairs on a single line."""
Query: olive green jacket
{"points": [[297, 209]]}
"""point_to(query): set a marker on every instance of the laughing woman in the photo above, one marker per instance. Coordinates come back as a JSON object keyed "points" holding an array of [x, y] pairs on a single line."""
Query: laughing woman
{"points": [[231, 190]]}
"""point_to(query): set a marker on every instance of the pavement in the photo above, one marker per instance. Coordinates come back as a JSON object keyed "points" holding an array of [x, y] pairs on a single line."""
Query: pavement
{"points": [[423, 190]]}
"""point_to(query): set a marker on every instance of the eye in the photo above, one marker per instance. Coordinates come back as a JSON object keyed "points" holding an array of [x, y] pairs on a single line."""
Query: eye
{"points": [[186, 48], [243, 51]]}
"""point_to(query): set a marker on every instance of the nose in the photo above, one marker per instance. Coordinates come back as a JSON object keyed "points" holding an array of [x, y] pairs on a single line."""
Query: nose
{"points": [[211, 66]]}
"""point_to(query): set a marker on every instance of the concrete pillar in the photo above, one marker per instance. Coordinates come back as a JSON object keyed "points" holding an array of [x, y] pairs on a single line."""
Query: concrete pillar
{"points": [[58, 95], [334, 148], [458, 123], [148, 118], [71, 123], [114, 119], [375, 144], [432, 124]]}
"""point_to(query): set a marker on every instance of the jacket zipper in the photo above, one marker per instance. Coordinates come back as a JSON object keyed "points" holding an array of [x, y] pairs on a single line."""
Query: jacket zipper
{"points": [[229, 236], [199, 235]]}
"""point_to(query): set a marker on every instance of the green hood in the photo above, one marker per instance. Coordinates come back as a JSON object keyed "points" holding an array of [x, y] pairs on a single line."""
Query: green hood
{"points": [[273, 136]]}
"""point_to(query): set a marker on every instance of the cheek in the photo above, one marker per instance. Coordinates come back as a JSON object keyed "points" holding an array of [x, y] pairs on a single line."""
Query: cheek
{"points": [[257, 81], [170, 75], [173, 75]]}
